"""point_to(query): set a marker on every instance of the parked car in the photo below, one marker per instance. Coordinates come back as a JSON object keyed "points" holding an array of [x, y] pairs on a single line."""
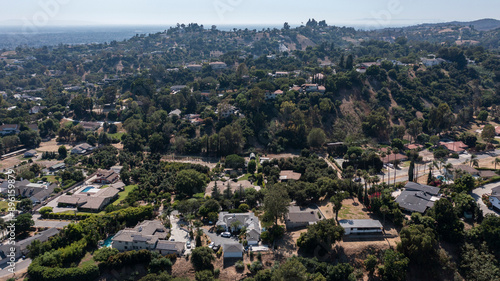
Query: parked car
{"points": [[216, 248], [188, 244], [172, 239], [226, 234], [211, 246]]}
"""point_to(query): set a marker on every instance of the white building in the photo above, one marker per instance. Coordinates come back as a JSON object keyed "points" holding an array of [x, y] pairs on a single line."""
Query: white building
{"points": [[232, 250], [235, 222], [144, 236], [218, 65], [357, 227]]}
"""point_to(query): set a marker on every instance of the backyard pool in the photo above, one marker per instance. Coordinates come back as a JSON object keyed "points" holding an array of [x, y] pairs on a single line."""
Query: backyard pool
{"points": [[107, 242], [87, 188]]}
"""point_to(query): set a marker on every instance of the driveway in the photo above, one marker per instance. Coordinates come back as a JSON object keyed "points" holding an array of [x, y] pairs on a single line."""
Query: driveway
{"points": [[178, 232], [20, 266], [219, 240], [478, 193], [49, 223]]}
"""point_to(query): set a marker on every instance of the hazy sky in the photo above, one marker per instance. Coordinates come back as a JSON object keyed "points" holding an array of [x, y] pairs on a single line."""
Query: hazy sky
{"points": [[372, 13]]}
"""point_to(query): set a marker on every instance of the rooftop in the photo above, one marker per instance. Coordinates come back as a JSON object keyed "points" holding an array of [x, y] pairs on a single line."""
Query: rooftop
{"points": [[366, 223]]}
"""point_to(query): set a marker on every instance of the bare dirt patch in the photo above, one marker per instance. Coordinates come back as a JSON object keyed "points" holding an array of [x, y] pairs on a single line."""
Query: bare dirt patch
{"points": [[53, 146]]}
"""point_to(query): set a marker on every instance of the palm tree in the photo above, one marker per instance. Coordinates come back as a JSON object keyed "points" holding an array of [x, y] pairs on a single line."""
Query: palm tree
{"points": [[473, 157], [475, 163], [496, 161], [395, 151], [447, 167], [384, 210]]}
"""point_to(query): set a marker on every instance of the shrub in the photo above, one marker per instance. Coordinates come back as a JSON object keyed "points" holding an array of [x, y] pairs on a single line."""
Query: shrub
{"points": [[239, 265]]}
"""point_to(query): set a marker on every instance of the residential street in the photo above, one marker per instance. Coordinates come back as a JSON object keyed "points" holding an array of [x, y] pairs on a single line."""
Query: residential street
{"points": [[20, 266]]}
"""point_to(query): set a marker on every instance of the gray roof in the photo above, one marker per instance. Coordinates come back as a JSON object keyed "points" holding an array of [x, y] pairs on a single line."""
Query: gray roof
{"points": [[232, 247], [253, 235], [170, 246], [413, 186], [360, 223], [297, 215], [415, 201]]}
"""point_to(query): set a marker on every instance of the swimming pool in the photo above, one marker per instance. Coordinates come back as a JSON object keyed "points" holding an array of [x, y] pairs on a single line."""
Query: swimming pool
{"points": [[88, 188], [107, 242]]}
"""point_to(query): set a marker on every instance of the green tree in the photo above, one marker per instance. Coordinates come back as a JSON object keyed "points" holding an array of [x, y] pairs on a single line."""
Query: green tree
{"points": [[479, 264], [234, 161], [276, 202], [418, 243], [252, 166], [448, 224], [371, 262], [30, 138], [324, 233], [189, 182], [337, 203], [202, 258], [466, 183], [316, 137], [488, 133], [24, 222], [62, 151], [482, 116], [395, 266], [26, 205], [292, 269]]}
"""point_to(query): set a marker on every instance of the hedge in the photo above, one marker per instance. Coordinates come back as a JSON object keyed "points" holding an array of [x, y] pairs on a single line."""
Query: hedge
{"points": [[44, 273]]}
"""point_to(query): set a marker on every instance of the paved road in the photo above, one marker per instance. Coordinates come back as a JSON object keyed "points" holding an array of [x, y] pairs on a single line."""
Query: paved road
{"points": [[478, 193], [20, 266]]}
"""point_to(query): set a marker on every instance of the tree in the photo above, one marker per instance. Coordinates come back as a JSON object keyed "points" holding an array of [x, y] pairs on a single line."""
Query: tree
{"points": [[103, 254], [488, 133], [29, 138], [324, 234], [316, 138], [482, 116], [63, 153], [349, 62], [45, 211], [479, 264], [234, 161], [24, 222], [190, 181], [202, 258], [252, 166], [337, 203], [448, 224], [418, 243], [292, 269], [371, 262], [276, 202], [466, 183], [394, 268], [209, 206], [26, 205], [384, 210]]}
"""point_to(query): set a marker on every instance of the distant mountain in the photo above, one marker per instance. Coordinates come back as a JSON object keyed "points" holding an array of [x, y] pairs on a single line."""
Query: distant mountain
{"points": [[480, 25]]}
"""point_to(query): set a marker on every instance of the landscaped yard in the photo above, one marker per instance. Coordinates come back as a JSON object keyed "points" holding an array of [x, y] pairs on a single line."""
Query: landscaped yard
{"points": [[122, 195], [4, 205], [51, 179], [116, 135]]}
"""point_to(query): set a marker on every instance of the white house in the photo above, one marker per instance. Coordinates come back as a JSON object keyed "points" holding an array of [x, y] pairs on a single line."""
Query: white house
{"points": [[218, 65], [165, 247], [235, 222], [194, 67], [359, 227], [232, 250], [8, 129], [82, 149], [30, 153], [144, 236], [495, 198], [273, 95]]}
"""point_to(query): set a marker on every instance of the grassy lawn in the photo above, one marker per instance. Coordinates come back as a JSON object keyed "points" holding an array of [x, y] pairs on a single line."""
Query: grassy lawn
{"points": [[123, 194], [83, 213], [4, 205], [51, 179], [245, 177], [87, 260], [116, 135]]}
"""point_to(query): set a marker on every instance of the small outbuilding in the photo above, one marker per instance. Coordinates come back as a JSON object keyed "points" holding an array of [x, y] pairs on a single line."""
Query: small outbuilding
{"points": [[360, 227], [232, 250]]}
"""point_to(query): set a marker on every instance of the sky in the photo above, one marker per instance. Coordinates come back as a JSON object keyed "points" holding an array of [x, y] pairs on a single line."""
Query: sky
{"points": [[359, 13]]}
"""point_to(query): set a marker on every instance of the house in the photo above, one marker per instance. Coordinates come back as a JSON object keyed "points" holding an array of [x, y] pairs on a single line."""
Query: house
{"points": [[432, 62], [273, 95], [418, 197], [361, 227], [176, 112], [105, 177], [116, 169], [194, 67], [56, 167], [93, 200], [165, 247], [30, 153], [82, 149], [454, 172], [495, 198], [414, 146], [37, 192], [300, 218], [90, 126], [232, 250], [21, 247], [177, 88], [391, 158], [279, 74], [455, 147], [287, 175], [252, 156], [235, 222], [218, 65], [309, 88], [225, 110], [35, 109], [145, 235], [9, 129]]}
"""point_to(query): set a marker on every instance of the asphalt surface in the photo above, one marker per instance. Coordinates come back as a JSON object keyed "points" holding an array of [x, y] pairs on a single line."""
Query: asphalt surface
{"points": [[478, 193]]}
